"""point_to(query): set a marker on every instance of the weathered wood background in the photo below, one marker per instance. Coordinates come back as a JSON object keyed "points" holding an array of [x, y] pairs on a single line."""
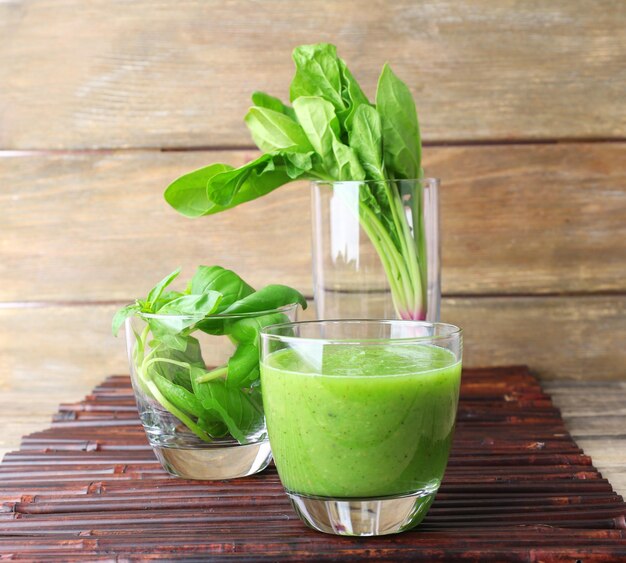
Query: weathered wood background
{"points": [[103, 103]]}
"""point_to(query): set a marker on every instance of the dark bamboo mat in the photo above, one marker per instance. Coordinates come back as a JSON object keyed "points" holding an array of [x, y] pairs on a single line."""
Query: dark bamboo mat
{"points": [[517, 488]]}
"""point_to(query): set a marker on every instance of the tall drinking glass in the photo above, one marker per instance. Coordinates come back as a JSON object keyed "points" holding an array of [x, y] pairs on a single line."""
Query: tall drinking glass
{"points": [[360, 417], [375, 249]]}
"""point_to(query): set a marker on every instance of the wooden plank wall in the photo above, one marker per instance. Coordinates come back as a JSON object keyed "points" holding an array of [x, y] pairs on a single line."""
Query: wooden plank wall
{"points": [[103, 103]]}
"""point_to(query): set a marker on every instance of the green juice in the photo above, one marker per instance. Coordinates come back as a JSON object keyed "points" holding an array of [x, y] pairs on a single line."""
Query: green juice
{"points": [[370, 421]]}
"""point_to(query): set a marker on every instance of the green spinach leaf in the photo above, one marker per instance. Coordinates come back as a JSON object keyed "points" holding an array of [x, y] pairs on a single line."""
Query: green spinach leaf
{"points": [[401, 135], [367, 141], [318, 73], [264, 100], [346, 165], [273, 131], [320, 124], [298, 164], [248, 182], [352, 95], [188, 194]]}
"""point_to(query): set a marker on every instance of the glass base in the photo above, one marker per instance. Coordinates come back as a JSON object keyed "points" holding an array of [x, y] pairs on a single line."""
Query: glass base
{"points": [[363, 517], [215, 462]]}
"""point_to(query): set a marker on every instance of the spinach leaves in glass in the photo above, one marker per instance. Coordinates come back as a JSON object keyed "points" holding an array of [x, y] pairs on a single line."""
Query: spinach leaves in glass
{"points": [[168, 360], [331, 133]]}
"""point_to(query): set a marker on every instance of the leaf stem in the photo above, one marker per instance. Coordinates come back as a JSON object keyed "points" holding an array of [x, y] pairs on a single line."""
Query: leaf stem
{"points": [[387, 250], [178, 413], [213, 374], [165, 361], [412, 259]]}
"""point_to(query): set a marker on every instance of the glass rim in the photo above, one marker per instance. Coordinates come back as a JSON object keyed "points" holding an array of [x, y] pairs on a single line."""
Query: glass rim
{"points": [[430, 182], [455, 332], [284, 308]]}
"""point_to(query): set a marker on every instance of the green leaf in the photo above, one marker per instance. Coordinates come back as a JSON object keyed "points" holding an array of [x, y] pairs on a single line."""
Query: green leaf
{"points": [[273, 131], [190, 354], [298, 164], [318, 73], [243, 366], [246, 183], [194, 305], [346, 164], [226, 282], [267, 298], [264, 100], [239, 414], [320, 124], [173, 341], [352, 95], [183, 312], [367, 141], [248, 329], [157, 290], [213, 425], [188, 194], [400, 128], [121, 316], [213, 326], [179, 396], [166, 297], [173, 409]]}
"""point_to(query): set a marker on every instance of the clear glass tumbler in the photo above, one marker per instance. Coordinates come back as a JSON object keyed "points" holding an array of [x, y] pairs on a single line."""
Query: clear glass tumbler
{"points": [[198, 391], [360, 417], [375, 249]]}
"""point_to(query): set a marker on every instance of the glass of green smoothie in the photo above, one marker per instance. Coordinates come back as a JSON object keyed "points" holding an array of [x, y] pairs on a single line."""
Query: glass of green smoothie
{"points": [[360, 416]]}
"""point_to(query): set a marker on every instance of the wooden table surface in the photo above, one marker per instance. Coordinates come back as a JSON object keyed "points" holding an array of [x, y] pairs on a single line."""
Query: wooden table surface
{"points": [[595, 415], [594, 412]]}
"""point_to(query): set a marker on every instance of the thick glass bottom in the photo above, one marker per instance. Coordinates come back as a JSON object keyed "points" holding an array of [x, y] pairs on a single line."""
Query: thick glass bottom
{"points": [[217, 461], [363, 517]]}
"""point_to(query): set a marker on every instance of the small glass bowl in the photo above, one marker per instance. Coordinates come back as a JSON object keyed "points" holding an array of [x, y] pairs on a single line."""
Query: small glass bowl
{"points": [[199, 425]]}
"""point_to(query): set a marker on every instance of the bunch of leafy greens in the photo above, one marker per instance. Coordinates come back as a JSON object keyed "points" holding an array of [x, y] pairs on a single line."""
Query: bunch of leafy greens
{"points": [[168, 362], [333, 133]]}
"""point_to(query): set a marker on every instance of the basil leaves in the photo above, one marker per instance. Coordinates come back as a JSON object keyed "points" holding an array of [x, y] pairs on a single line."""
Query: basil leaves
{"points": [[167, 358]]}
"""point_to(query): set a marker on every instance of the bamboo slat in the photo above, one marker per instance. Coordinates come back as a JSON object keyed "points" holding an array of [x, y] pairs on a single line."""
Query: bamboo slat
{"points": [[517, 487]]}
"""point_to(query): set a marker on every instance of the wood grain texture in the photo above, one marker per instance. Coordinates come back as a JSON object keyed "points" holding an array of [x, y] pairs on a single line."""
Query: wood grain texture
{"points": [[558, 337], [595, 415], [515, 219], [163, 74]]}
